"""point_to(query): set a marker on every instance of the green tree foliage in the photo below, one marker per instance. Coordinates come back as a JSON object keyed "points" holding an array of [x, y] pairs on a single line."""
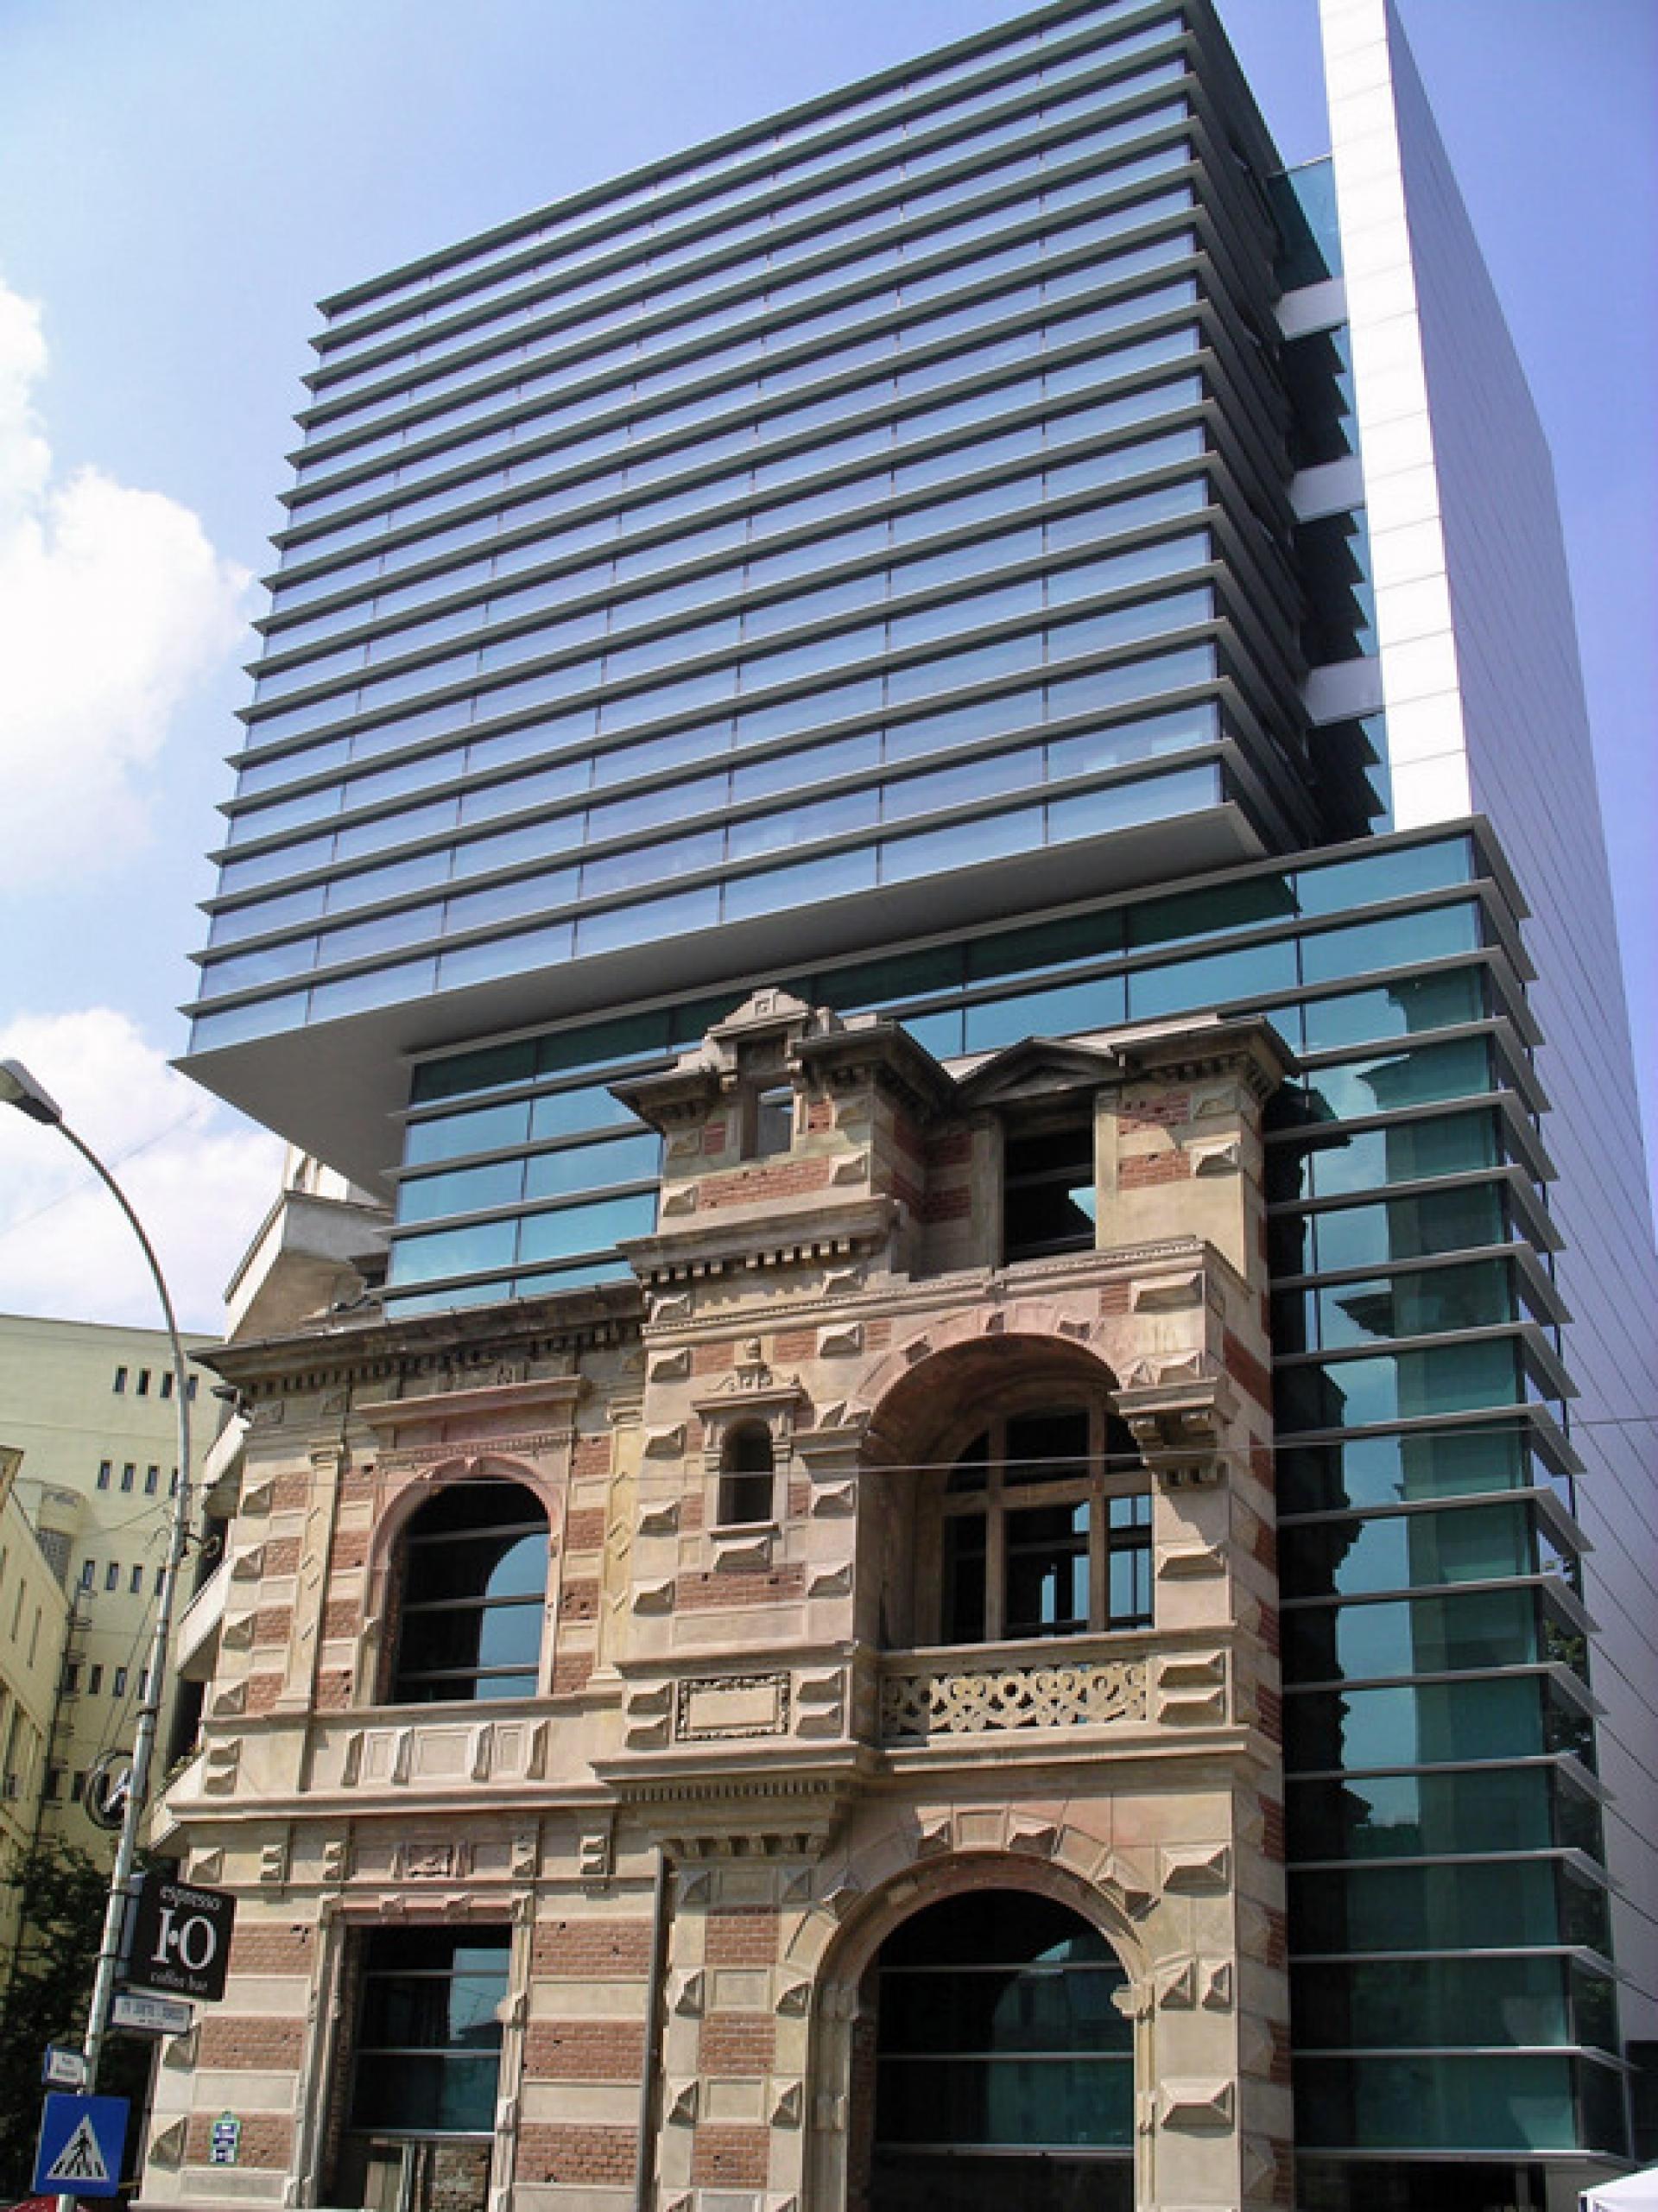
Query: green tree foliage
{"points": [[47, 1988]]}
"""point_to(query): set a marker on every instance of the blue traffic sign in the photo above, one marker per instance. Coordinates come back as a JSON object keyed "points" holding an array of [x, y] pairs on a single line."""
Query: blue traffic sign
{"points": [[80, 2146]]}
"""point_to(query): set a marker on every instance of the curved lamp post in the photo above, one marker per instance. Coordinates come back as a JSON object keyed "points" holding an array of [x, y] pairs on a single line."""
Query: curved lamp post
{"points": [[19, 1088]]}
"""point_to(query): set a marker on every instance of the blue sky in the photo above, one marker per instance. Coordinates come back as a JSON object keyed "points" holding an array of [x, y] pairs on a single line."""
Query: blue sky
{"points": [[179, 183]]}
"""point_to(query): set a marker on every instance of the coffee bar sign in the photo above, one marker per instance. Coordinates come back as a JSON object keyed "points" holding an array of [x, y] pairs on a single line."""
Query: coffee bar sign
{"points": [[181, 1939]]}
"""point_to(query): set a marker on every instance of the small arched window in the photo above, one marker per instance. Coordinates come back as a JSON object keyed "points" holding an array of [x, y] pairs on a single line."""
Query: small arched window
{"points": [[473, 1590], [748, 1476]]}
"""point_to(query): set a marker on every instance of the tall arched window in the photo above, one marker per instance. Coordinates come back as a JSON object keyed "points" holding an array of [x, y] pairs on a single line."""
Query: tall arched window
{"points": [[473, 1590], [1046, 1530], [748, 1475]]}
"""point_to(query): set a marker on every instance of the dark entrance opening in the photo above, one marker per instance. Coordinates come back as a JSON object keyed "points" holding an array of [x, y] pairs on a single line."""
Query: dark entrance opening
{"points": [[1003, 2067]]}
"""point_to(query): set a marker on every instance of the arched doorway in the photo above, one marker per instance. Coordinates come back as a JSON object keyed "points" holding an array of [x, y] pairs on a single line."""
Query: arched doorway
{"points": [[997, 2070]]}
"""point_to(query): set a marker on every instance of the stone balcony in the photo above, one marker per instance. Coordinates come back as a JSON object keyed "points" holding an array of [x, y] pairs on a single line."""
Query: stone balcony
{"points": [[1138, 1694], [1139, 1683]]}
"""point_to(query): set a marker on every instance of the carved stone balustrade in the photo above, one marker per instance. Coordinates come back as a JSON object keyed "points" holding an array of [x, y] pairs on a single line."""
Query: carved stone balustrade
{"points": [[954, 1696]]}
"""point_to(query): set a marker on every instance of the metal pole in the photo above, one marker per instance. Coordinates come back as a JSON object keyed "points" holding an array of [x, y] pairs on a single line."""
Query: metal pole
{"points": [[121, 1885]]}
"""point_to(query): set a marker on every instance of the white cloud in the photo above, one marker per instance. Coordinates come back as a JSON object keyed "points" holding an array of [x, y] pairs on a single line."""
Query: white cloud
{"points": [[199, 1177], [113, 604]]}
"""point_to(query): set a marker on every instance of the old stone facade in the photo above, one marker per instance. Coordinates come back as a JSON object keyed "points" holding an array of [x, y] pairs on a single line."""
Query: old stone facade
{"points": [[817, 1653]]}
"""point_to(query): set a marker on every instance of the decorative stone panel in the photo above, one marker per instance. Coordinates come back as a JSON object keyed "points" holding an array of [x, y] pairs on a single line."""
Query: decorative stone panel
{"points": [[968, 1700]]}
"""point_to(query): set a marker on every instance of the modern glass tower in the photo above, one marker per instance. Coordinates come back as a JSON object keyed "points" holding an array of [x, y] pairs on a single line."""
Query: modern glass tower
{"points": [[990, 547]]}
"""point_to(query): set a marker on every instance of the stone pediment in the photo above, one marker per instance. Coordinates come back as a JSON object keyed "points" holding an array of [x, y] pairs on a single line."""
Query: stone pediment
{"points": [[1039, 1067]]}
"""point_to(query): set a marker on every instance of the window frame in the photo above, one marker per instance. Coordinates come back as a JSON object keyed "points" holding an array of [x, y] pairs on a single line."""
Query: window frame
{"points": [[390, 1974], [402, 1680], [1073, 1117], [1101, 1478], [742, 1483]]}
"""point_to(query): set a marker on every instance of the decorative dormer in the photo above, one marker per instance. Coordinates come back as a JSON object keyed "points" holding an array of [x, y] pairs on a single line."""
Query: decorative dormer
{"points": [[1099, 1147], [786, 1125]]}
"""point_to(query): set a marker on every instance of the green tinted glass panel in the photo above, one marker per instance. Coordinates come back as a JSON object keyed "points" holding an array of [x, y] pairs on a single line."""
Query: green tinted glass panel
{"points": [[1049, 944], [467, 1190], [1371, 1641], [427, 2095], [1397, 1228], [563, 1113], [452, 1252], [1256, 972], [1253, 903], [1380, 1083], [1433, 1724], [1406, 2002], [1391, 1469], [1602, 2112], [1481, 1294], [452, 1136], [1424, 1816], [1397, 1551], [1478, 1904], [1401, 1009], [1400, 942], [883, 982], [473, 1071], [1381, 876], [628, 1038], [1331, 1165], [1450, 2103], [1405, 1385], [591, 1167]]}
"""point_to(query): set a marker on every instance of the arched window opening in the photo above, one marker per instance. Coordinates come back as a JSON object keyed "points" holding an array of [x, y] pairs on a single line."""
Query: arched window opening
{"points": [[748, 1476], [473, 1593], [1005, 2068], [1046, 1530]]}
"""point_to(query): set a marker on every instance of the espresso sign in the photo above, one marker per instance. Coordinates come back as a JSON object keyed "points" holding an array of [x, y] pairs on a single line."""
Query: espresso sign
{"points": [[181, 1939]]}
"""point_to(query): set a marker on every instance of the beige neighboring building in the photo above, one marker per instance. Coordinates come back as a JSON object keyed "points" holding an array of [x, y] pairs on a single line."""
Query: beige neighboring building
{"points": [[686, 1740], [91, 1410], [33, 1614]]}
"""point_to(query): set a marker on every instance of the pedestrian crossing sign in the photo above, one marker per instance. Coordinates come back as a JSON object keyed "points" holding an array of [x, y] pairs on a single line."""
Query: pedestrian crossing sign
{"points": [[80, 2146]]}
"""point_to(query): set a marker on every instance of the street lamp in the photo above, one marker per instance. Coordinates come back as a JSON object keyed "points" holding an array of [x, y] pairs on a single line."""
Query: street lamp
{"points": [[19, 1088]]}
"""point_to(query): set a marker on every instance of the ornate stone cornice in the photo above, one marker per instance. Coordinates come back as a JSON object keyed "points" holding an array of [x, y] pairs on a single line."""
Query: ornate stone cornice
{"points": [[372, 1346], [883, 1055], [1250, 1049], [810, 1229]]}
